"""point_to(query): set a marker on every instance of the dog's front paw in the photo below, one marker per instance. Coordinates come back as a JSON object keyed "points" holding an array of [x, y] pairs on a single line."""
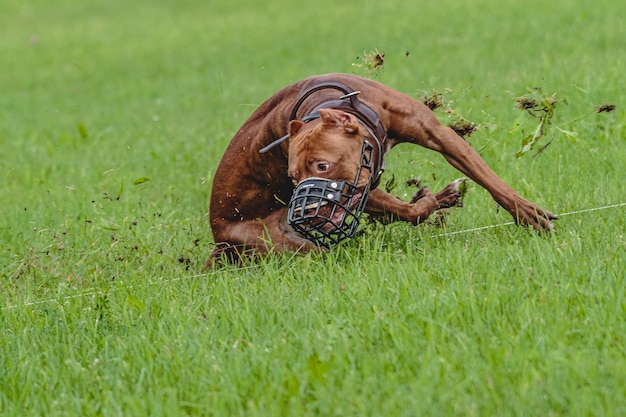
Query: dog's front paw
{"points": [[526, 213]]}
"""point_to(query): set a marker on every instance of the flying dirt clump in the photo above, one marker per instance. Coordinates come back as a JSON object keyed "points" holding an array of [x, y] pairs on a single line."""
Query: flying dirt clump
{"points": [[370, 64], [462, 127], [432, 100], [605, 108]]}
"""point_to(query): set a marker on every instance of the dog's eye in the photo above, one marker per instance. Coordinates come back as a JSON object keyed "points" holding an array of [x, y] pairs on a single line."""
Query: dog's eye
{"points": [[323, 166]]}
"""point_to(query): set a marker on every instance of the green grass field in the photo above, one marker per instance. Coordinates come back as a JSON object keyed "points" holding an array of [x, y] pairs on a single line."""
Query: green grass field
{"points": [[113, 118]]}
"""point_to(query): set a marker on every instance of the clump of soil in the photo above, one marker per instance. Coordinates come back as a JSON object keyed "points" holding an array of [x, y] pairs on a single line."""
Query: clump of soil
{"points": [[414, 182], [432, 100], [525, 103], [370, 64], [533, 105], [605, 108], [376, 59], [462, 127]]}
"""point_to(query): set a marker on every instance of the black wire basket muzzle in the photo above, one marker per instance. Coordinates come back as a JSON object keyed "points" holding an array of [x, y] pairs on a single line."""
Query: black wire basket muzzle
{"points": [[327, 211]]}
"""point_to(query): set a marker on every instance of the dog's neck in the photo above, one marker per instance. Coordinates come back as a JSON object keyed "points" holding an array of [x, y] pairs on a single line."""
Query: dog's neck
{"points": [[349, 102]]}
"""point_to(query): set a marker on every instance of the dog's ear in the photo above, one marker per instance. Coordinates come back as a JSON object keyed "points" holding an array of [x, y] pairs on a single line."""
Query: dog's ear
{"points": [[340, 118], [295, 126]]}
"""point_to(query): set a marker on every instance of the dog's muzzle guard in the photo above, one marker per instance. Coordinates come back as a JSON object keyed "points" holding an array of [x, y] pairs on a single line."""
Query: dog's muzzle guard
{"points": [[327, 211]]}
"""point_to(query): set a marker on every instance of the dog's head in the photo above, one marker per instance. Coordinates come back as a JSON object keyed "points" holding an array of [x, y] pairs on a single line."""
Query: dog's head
{"points": [[330, 164], [329, 149]]}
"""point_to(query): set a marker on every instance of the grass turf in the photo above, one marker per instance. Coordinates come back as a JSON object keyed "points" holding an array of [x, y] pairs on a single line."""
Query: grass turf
{"points": [[113, 118]]}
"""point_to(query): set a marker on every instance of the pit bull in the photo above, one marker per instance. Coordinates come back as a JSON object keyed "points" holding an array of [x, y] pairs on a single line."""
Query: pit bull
{"points": [[303, 168]]}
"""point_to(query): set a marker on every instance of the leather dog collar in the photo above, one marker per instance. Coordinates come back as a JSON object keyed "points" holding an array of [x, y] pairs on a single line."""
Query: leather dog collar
{"points": [[349, 103]]}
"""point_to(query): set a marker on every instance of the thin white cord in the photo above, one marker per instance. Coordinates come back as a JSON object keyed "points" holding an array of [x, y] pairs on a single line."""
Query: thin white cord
{"points": [[593, 209], [84, 294], [69, 297], [475, 229]]}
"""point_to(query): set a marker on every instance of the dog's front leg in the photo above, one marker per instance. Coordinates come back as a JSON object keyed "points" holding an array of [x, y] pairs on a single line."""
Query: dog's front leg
{"points": [[414, 122], [461, 155], [384, 206]]}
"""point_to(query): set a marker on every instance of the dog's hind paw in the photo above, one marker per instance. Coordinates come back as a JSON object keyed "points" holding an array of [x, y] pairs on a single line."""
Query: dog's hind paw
{"points": [[224, 254]]}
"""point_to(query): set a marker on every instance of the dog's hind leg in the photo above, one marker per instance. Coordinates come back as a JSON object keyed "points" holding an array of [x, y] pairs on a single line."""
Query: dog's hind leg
{"points": [[236, 241]]}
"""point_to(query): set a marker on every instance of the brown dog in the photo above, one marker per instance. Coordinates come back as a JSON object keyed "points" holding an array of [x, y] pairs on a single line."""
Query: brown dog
{"points": [[334, 127]]}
